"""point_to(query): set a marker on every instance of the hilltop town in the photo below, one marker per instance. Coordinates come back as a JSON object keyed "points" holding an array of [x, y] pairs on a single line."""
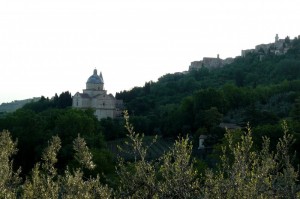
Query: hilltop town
{"points": [[279, 47]]}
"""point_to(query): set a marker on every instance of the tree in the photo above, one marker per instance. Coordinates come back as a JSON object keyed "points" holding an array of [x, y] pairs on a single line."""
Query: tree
{"points": [[207, 98], [64, 100], [295, 113], [9, 180], [212, 118], [45, 182], [239, 78], [42, 183], [179, 178], [174, 177], [243, 171], [246, 173]]}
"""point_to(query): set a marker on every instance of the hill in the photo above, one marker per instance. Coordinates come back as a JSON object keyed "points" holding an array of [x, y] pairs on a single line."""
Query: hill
{"points": [[12, 106], [260, 87], [260, 90]]}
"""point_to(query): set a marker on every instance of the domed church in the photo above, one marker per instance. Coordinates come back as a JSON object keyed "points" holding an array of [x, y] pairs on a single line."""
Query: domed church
{"points": [[95, 97]]}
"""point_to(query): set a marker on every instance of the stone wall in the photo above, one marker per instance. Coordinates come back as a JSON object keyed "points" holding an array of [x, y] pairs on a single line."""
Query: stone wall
{"points": [[210, 63]]}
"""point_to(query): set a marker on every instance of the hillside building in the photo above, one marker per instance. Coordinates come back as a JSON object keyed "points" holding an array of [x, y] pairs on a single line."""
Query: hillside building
{"points": [[210, 63], [279, 47], [95, 97]]}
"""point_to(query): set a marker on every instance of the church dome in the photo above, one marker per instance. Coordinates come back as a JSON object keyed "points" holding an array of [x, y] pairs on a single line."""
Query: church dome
{"points": [[95, 79]]}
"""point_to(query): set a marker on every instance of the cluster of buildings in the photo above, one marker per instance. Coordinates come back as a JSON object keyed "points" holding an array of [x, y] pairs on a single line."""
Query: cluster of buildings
{"points": [[279, 47], [210, 63], [94, 96]]}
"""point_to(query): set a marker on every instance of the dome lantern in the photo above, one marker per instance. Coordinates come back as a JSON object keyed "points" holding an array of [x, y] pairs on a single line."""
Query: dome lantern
{"points": [[95, 82]]}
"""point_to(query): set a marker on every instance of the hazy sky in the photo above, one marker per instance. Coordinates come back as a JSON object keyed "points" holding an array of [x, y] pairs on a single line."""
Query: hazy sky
{"points": [[48, 47]]}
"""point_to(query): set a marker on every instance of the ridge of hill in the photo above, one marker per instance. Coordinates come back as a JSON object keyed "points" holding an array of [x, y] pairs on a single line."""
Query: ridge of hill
{"points": [[16, 104]]}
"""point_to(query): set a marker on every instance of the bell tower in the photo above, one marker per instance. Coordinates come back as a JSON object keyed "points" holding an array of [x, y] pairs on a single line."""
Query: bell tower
{"points": [[276, 38]]}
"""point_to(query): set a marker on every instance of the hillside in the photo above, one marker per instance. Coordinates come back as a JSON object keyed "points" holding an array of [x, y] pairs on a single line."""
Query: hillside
{"points": [[261, 91], [259, 87], [12, 106]]}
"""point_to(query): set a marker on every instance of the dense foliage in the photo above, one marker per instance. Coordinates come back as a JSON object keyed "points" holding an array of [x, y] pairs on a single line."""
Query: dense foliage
{"points": [[35, 124], [261, 90], [62, 101], [258, 89], [53, 160], [243, 172]]}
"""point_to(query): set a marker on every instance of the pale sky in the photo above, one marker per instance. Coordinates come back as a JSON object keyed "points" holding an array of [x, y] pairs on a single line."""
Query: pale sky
{"points": [[52, 46]]}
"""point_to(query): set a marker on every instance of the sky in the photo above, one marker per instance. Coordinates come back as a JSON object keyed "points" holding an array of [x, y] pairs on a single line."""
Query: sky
{"points": [[53, 46]]}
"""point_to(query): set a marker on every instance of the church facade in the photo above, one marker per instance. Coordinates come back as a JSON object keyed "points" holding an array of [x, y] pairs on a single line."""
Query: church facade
{"points": [[95, 97]]}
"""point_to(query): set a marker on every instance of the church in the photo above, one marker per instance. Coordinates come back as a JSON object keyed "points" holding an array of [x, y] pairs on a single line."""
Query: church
{"points": [[95, 97]]}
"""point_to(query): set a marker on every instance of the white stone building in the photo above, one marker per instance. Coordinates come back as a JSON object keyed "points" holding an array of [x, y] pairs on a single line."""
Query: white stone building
{"points": [[95, 97]]}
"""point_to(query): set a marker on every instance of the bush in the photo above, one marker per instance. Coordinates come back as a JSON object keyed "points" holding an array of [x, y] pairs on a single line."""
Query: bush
{"points": [[241, 173]]}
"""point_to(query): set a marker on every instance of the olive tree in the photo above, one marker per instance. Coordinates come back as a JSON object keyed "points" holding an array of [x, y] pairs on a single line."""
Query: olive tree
{"points": [[9, 180], [46, 183], [246, 173], [171, 176]]}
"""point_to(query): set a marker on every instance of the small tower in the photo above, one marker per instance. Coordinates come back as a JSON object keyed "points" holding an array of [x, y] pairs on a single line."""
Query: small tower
{"points": [[101, 77], [276, 38], [218, 56], [102, 81]]}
